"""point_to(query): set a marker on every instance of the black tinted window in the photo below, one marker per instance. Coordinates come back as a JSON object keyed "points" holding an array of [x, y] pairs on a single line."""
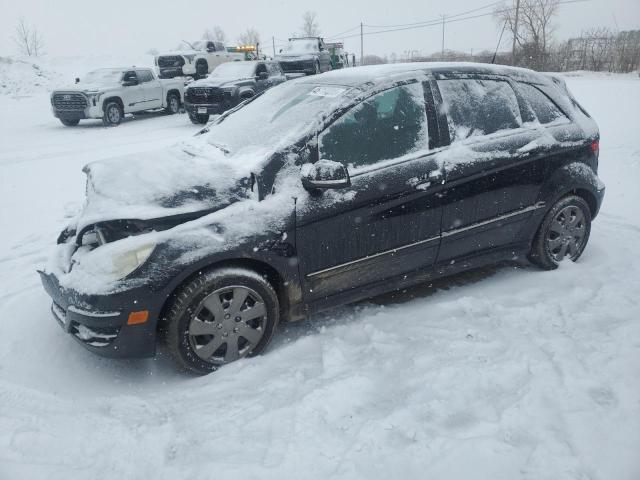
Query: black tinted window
{"points": [[129, 76], [144, 76], [479, 107], [387, 126], [544, 109]]}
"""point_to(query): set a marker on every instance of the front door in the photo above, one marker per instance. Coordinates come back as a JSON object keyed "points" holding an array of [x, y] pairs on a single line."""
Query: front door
{"points": [[387, 223], [133, 96]]}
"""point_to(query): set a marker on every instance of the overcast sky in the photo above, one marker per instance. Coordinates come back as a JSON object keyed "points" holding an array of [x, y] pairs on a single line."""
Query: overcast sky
{"points": [[114, 27]]}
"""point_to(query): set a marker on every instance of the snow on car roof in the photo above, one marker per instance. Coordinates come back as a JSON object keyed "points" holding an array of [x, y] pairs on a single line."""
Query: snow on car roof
{"points": [[383, 73]]}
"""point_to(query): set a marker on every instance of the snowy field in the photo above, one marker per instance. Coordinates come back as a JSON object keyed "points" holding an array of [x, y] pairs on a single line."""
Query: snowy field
{"points": [[503, 374]]}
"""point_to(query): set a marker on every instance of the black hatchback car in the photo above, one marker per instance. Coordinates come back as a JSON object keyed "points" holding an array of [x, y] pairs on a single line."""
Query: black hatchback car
{"points": [[228, 85], [322, 191]]}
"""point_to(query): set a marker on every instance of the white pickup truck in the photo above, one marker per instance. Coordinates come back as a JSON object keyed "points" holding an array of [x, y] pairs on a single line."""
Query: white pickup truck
{"points": [[197, 61], [109, 93]]}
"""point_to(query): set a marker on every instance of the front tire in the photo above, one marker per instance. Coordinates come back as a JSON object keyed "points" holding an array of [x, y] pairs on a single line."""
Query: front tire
{"points": [[113, 114], [69, 122], [199, 118], [220, 316], [563, 233], [173, 104]]}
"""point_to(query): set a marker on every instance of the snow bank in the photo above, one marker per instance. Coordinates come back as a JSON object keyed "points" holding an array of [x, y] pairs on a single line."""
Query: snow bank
{"points": [[23, 77]]}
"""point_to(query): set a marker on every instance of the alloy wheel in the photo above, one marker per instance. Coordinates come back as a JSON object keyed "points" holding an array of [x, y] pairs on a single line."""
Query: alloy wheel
{"points": [[113, 114], [228, 324]]}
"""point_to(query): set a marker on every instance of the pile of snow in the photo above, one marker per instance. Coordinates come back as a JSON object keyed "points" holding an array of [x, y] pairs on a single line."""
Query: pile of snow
{"points": [[23, 77]]}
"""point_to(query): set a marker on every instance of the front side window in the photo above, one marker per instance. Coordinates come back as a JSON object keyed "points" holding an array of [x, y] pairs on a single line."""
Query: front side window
{"points": [[544, 109], [386, 126], [144, 76], [479, 107], [130, 76]]}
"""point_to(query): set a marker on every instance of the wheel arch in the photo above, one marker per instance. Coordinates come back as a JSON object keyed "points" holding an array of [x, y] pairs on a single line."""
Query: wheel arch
{"points": [[172, 92], [575, 178], [113, 98], [272, 275]]}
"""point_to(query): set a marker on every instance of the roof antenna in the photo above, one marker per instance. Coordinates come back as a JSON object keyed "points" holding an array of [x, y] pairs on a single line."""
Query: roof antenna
{"points": [[493, 60]]}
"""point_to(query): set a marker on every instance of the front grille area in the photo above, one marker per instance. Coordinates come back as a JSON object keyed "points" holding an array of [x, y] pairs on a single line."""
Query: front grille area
{"points": [[204, 95], [170, 61], [69, 102], [295, 66]]}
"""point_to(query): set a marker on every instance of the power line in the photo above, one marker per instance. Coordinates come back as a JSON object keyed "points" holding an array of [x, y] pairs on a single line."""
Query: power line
{"points": [[438, 22], [342, 33], [436, 19]]}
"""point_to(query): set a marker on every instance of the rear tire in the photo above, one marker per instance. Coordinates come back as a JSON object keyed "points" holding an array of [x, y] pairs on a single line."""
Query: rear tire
{"points": [[69, 122], [563, 233], [220, 316], [113, 114], [173, 104], [199, 118]]}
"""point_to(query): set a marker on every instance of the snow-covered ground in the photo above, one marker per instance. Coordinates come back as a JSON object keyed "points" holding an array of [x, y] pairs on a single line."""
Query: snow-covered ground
{"points": [[503, 374]]}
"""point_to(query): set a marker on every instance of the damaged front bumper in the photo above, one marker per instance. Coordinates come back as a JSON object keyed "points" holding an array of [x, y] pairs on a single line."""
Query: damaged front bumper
{"points": [[116, 325]]}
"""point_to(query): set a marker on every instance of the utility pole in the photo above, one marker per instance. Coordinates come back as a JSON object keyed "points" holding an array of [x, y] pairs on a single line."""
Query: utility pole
{"points": [[442, 54], [361, 45], [515, 34], [273, 42]]}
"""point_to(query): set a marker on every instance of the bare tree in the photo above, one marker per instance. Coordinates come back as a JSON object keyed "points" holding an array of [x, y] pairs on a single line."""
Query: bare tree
{"points": [[534, 28], [249, 37], [28, 39], [217, 34], [310, 26]]}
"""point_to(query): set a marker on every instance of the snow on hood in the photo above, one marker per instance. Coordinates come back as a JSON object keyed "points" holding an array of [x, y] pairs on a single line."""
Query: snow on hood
{"points": [[172, 53], [190, 177], [86, 87]]}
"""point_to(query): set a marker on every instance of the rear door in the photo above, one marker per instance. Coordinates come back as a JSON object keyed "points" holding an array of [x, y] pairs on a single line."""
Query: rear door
{"points": [[276, 75], [387, 223], [152, 89], [493, 176]]}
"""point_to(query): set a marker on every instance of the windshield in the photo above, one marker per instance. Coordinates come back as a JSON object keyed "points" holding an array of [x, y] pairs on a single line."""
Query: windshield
{"points": [[196, 45], [234, 70], [103, 76], [301, 46], [282, 114]]}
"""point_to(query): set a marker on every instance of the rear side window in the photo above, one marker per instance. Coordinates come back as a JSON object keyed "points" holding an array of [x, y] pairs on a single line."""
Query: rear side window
{"points": [[479, 107], [544, 109], [386, 126]]}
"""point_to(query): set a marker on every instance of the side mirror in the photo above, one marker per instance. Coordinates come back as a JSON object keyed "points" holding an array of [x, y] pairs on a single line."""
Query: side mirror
{"points": [[325, 174], [77, 80], [263, 75], [130, 83]]}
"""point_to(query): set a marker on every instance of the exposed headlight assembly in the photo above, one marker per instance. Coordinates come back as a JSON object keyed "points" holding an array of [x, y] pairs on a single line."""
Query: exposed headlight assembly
{"points": [[94, 97], [126, 262], [189, 57]]}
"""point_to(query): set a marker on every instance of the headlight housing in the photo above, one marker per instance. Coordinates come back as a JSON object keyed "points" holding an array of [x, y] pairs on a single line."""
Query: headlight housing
{"points": [[94, 97], [189, 57], [112, 261], [126, 262]]}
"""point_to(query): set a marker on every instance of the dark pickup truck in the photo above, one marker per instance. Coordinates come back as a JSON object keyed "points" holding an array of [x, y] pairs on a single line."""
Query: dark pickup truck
{"points": [[228, 85], [308, 55]]}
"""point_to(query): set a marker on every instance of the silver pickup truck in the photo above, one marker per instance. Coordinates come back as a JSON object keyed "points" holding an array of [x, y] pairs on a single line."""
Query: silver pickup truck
{"points": [[110, 93]]}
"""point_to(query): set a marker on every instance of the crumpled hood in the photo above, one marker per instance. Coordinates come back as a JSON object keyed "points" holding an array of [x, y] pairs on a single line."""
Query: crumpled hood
{"points": [[218, 82], [190, 177]]}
